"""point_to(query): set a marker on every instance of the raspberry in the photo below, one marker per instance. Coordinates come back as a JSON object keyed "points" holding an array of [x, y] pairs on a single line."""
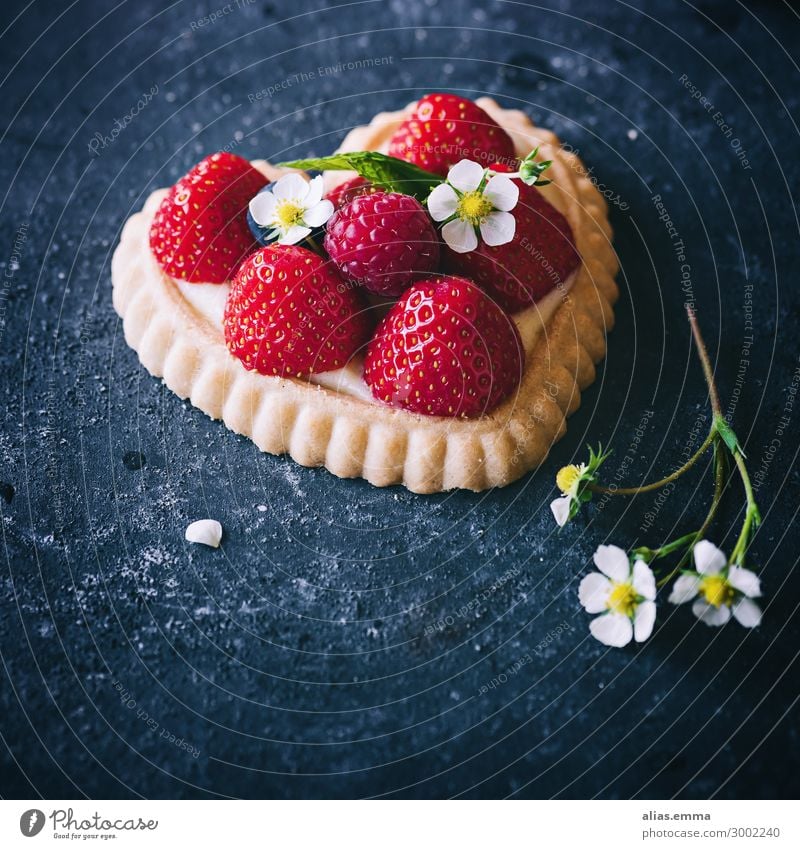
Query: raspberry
{"points": [[383, 241], [349, 190]]}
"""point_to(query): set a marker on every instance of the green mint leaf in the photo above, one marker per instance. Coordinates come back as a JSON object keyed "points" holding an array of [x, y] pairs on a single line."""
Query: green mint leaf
{"points": [[385, 172]]}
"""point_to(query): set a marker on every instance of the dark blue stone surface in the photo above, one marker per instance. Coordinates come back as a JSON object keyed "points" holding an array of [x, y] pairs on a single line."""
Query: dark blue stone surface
{"points": [[346, 640]]}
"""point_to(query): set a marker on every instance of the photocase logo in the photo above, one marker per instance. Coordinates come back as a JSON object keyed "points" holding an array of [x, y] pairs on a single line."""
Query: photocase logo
{"points": [[31, 822]]}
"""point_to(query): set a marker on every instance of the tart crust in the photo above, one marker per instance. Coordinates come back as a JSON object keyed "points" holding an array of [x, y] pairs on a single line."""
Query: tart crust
{"points": [[356, 438]]}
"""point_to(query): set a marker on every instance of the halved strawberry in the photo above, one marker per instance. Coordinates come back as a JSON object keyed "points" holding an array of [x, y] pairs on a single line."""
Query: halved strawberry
{"points": [[444, 128], [444, 349], [541, 256], [200, 231], [290, 314]]}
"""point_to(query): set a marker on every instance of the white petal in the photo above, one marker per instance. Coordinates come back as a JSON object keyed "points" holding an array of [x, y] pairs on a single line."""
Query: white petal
{"points": [[644, 620], [709, 614], [613, 561], [745, 581], [205, 532], [290, 187], [466, 175], [262, 208], [684, 589], [502, 192], [460, 236], [644, 581], [593, 592], [294, 235], [560, 508], [612, 629], [747, 613], [708, 558], [314, 194], [442, 202], [317, 215], [498, 228]]}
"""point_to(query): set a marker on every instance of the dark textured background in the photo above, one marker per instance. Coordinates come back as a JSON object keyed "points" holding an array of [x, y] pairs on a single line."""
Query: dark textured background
{"points": [[298, 660]]}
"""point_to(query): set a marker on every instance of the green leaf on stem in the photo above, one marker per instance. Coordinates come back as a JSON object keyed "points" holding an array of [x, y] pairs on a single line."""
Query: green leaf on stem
{"points": [[728, 436], [385, 172]]}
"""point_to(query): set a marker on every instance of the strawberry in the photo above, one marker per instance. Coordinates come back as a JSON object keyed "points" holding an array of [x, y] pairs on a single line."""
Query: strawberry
{"points": [[444, 349], [540, 257], [289, 314], [200, 231], [444, 128]]}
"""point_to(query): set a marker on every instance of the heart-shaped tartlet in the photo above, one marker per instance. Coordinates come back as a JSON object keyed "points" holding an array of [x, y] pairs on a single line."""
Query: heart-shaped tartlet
{"points": [[333, 418]]}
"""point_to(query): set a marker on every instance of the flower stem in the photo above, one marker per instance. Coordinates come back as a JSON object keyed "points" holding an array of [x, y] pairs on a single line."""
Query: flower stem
{"points": [[752, 517], [718, 422], [650, 487], [702, 353], [720, 468], [719, 483], [651, 554]]}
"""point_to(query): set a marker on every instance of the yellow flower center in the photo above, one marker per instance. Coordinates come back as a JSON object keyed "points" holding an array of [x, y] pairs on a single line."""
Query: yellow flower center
{"points": [[289, 214], [622, 599], [717, 590], [567, 477], [474, 207]]}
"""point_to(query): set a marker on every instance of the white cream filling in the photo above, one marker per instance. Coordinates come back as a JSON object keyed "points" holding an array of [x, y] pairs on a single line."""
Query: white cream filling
{"points": [[208, 299]]}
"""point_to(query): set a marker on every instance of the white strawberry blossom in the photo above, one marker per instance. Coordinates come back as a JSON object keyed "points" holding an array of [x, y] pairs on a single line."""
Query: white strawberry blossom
{"points": [[561, 507], [623, 594], [574, 482], [568, 480], [291, 208], [473, 200], [718, 590]]}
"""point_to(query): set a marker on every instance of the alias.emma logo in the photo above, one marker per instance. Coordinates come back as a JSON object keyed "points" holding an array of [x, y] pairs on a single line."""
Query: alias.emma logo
{"points": [[31, 822]]}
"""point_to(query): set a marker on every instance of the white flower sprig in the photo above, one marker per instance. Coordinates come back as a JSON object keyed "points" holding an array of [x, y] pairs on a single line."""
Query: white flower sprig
{"points": [[623, 593], [291, 208], [718, 589], [474, 201]]}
